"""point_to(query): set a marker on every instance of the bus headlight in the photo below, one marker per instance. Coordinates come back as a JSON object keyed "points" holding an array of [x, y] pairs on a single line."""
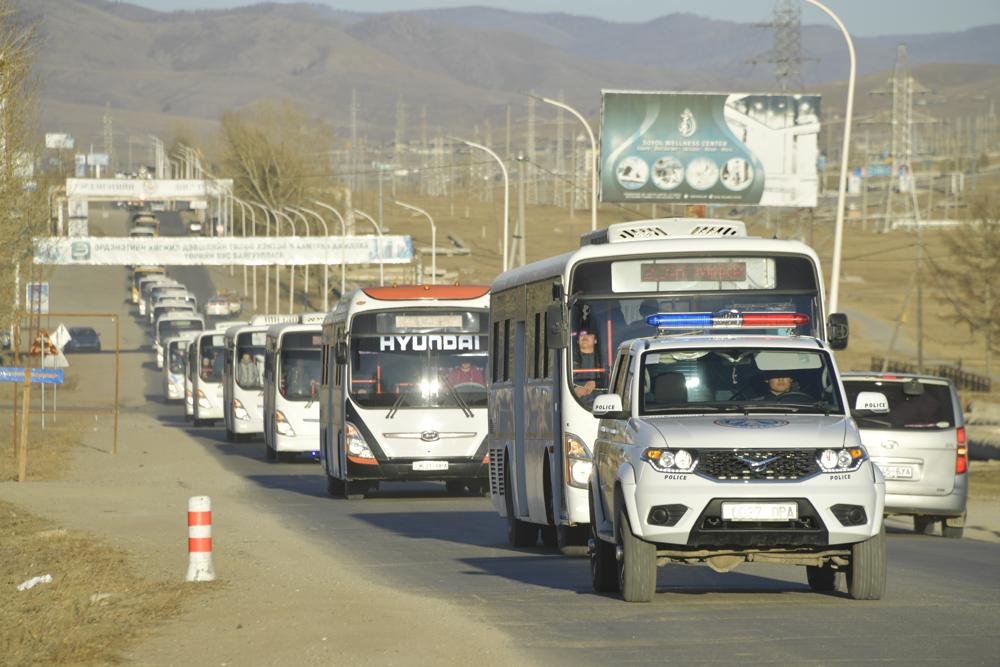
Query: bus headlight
{"points": [[239, 412], [281, 424], [841, 460], [578, 461], [358, 450], [666, 460], [203, 400]]}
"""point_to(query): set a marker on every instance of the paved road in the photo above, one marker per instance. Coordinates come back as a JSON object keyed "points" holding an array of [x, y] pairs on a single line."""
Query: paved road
{"points": [[942, 604]]}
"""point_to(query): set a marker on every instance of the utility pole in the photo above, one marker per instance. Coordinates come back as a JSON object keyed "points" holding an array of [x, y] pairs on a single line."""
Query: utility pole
{"points": [[355, 162], [786, 47], [519, 234], [531, 155], [109, 138], [559, 185]]}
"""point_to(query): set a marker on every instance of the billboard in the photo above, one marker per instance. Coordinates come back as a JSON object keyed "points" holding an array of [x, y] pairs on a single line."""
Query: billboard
{"points": [[221, 251], [59, 140], [709, 148], [121, 189]]}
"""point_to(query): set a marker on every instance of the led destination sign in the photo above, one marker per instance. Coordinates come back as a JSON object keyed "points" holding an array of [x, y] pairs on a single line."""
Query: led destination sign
{"points": [[673, 272]]}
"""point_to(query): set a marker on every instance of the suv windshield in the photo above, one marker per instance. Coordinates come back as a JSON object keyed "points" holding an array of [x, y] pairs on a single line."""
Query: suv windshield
{"points": [[912, 404], [738, 379]]}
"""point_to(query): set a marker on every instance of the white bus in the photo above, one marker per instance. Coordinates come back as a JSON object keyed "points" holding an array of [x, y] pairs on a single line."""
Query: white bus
{"points": [[557, 323], [172, 324], [243, 376], [206, 387], [291, 389], [404, 388], [175, 366]]}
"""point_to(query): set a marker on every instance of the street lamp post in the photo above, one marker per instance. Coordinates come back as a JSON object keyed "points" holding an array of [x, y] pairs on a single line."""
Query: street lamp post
{"points": [[506, 196], [326, 262], [838, 234], [343, 241], [424, 213], [378, 230], [243, 223], [267, 267], [253, 232], [593, 155], [305, 223], [291, 267]]}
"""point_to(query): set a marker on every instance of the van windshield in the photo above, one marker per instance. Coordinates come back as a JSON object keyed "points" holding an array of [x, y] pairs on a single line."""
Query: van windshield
{"points": [[928, 410]]}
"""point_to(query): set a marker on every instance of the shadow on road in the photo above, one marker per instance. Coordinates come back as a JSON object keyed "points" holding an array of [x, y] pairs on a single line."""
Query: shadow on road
{"points": [[470, 527], [312, 486]]}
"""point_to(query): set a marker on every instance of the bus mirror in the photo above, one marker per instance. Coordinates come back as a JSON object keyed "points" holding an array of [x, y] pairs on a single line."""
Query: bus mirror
{"points": [[557, 321], [340, 351], [837, 330]]}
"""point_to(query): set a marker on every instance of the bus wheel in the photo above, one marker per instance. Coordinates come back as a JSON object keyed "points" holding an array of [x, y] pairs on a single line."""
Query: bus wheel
{"points": [[355, 490], [334, 486], [454, 487], [271, 454], [572, 540], [231, 436], [519, 533]]}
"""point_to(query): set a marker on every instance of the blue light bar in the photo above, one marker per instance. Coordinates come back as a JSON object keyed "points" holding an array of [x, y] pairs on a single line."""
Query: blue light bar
{"points": [[680, 320], [727, 319]]}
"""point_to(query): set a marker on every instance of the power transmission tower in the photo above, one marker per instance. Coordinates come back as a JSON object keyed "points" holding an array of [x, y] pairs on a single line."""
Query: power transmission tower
{"points": [[786, 46], [109, 138], [424, 183], [529, 165], [354, 159], [558, 182], [400, 138]]}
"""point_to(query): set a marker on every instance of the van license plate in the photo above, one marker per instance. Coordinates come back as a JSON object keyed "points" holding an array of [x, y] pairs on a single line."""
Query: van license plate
{"points": [[430, 465], [897, 471], [760, 511]]}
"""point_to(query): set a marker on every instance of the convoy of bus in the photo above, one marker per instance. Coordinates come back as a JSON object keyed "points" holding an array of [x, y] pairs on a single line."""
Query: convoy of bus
{"points": [[404, 388], [556, 324], [175, 368], [291, 388]]}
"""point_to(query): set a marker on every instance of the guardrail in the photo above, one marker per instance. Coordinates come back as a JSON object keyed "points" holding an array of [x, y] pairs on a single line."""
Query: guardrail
{"points": [[962, 379]]}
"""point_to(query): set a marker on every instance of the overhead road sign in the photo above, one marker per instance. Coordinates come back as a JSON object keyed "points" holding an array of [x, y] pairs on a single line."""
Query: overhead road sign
{"points": [[38, 375], [142, 189], [223, 251], [709, 148]]}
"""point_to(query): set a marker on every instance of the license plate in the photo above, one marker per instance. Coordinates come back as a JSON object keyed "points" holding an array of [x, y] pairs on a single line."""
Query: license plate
{"points": [[430, 465], [897, 471], [760, 511]]}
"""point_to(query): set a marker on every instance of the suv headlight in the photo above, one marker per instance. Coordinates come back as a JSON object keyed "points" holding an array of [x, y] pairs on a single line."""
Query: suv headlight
{"points": [[579, 463], [358, 450], [847, 459], [667, 460]]}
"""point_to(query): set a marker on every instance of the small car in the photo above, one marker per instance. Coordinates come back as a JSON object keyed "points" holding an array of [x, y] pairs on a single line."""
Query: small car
{"points": [[724, 449], [194, 227], [920, 446], [83, 339], [217, 306]]}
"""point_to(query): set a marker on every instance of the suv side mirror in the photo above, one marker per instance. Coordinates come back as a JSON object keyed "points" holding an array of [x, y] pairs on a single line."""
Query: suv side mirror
{"points": [[870, 403], [340, 352], [837, 331], [608, 406], [557, 323]]}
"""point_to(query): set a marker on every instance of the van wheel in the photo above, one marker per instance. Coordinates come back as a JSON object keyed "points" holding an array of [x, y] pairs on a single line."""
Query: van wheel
{"points": [[603, 569], [821, 579], [269, 452], [866, 572], [519, 533], [636, 562], [924, 525]]}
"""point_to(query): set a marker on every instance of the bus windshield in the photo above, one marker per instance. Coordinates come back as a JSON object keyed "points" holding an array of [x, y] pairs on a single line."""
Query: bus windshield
{"points": [[177, 354], [419, 359], [169, 328], [612, 299], [250, 359], [212, 351], [301, 366]]}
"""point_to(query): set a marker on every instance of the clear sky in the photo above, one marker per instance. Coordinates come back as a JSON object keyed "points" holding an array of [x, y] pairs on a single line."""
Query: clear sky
{"points": [[862, 17]]}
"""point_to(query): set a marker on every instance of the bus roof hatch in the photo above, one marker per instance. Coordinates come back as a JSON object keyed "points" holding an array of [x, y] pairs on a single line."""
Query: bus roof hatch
{"points": [[648, 230]]}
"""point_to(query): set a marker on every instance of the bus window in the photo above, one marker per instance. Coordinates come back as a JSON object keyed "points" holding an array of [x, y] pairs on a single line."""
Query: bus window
{"points": [[300, 365], [178, 357], [249, 369], [213, 357]]}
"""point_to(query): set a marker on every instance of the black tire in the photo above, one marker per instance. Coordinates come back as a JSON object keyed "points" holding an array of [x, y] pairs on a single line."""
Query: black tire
{"points": [[199, 422], [334, 486], [355, 490], [952, 532], [866, 572], [637, 565], [549, 537], [231, 436], [603, 569], [924, 525], [821, 579], [187, 417], [454, 487], [271, 454], [519, 533]]}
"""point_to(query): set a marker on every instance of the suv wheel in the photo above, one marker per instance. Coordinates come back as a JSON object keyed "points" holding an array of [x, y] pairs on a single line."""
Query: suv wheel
{"points": [[636, 562], [866, 572], [923, 525]]}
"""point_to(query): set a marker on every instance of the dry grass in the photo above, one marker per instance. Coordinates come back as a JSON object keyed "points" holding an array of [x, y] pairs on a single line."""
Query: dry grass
{"points": [[984, 480], [48, 449], [92, 609]]}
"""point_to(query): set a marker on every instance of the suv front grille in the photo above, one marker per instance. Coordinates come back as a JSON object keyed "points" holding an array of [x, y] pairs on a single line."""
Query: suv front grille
{"points": [[757, 464]]}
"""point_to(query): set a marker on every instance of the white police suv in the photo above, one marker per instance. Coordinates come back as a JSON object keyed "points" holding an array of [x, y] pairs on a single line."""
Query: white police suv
{"points": [[730, 448]]}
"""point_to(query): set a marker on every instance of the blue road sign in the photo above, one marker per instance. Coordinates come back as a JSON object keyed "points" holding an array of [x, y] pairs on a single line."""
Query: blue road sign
{"points": [[38, 375]]}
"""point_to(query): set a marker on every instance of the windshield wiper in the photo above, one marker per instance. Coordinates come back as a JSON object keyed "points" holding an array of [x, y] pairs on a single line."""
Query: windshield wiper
{"points": [[458, 399], [693, 409], [747, 408], [395, 405]]}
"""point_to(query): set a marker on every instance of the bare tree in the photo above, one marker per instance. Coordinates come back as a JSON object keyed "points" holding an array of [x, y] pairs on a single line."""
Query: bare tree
{"points": [[275, 153], [23, 214], [970, 279]]}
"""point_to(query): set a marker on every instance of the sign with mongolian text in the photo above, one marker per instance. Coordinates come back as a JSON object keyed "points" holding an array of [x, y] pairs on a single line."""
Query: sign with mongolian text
{"points": [[224, 250], [145, 189], [38, 375], [709, 148]]}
